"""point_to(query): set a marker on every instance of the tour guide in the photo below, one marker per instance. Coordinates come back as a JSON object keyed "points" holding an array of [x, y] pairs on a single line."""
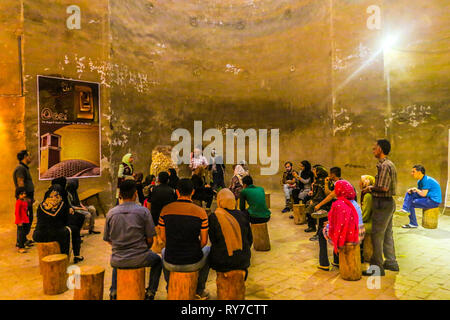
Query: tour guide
{"points": [[256, 199]]}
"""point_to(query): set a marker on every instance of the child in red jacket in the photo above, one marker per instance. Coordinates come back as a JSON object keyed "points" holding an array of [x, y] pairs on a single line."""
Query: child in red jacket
{"points": [[21, 218]]}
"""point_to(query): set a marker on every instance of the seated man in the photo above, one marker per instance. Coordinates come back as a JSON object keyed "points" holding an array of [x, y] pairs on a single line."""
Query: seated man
{"points": [[289, 183], [427, 195], [184, 229], [129, 229], [230, 235], [256, 199]]}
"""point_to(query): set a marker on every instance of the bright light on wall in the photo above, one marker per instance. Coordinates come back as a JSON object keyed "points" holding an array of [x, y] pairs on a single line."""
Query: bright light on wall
{"points": [[389, 41]]}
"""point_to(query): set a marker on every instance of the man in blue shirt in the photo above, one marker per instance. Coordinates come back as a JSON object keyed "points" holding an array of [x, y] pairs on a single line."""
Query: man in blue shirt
{"points": [[427, 195]]}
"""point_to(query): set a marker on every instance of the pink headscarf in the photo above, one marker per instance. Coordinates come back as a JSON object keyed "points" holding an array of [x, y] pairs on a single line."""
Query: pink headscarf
{"points": [[343, 217]]}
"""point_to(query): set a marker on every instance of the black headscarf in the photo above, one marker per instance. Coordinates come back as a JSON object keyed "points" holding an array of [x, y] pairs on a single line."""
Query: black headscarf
{"points": [[306, 172]]}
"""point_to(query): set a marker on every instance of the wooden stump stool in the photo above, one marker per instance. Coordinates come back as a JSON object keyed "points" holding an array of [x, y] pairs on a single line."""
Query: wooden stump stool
{"points": [[45, 249], [350, 262], [158, 244], [430, 218], [89, 284], [182, 285], [131, 284], [299, 213], [268, 200], [261, 239], [231, 285], [367, 248], [54, 273]]}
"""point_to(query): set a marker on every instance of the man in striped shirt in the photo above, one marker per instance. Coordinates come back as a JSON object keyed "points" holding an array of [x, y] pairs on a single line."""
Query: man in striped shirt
{"points": [[184, 229], [382, 212]]}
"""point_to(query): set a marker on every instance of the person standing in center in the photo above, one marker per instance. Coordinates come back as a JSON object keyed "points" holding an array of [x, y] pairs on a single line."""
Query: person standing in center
{"points": [[383, 209]]}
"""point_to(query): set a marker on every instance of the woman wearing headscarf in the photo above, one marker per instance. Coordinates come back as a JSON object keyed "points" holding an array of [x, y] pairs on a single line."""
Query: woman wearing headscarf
{"points": [[126, 170], [88, 212], [52, 218], [318, 194], [236, 182], [173, 178], [304, 181], [230, 235], [366, 203], [344, 223]]}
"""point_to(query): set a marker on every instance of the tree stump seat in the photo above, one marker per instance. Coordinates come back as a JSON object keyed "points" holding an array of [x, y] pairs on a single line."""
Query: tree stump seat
{"points": [[350, 262], [54, 273], [261, 239], [46, 249], [268, 200], [231, 285], [182, 285], [299, 213], [131, 284], [90, 283], [430, 218]]}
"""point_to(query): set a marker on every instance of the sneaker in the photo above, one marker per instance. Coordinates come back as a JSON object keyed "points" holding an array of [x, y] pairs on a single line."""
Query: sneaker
{"points": [[314, 237], [335, 264], [319, 214], [409, 226], [309, 229], [203, 296], [77, 259], [285, 210], [371, 272], [149, 295], [323, 268]]}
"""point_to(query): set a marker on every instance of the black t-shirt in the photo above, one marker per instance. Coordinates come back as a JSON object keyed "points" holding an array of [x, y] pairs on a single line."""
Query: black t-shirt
{"points": [[218, 257], [183, 221], [159, 197], [23, 171]]}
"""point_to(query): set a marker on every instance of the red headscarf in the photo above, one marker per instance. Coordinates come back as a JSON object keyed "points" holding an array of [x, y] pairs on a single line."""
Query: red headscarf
{"points": [[343, 217]]}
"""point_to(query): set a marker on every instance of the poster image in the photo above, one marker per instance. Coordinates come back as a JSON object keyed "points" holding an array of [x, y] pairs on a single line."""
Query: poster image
{"points": [[69, 128]]}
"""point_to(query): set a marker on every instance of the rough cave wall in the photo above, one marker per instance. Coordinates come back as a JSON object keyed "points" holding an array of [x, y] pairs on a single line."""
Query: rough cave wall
{"points": [[301, 66]]}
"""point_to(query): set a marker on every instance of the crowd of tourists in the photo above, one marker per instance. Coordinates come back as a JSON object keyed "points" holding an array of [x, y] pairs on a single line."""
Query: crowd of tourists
{"points": [[177, 211]]}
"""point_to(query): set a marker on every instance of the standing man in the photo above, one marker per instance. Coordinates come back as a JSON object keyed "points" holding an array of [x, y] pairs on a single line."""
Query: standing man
{"points": [[217, 169], [198, 160], [22, 178], [382, 211], [427, 195], [289, 183]]}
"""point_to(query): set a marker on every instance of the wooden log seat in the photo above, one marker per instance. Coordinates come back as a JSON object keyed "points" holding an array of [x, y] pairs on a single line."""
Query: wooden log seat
{"points": [[299, 213], [231, 285], [430, 218], [350, 262], [45, 249], [182, 285], [90, 283], [261, 239], [131, 284], [54, 273], [268, 200]]}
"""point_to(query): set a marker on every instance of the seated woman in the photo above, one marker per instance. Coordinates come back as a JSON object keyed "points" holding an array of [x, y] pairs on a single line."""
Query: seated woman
{"points": [[344, 223], [366, 203], [304, 180], [236, 185], [230, 235], [203, 192], [52, 218], [88, 212], [318, 194]]}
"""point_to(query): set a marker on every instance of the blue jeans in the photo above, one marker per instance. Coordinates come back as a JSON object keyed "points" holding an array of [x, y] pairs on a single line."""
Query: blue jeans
{"points": [[202, 266], [413, 201], [154, 262]]}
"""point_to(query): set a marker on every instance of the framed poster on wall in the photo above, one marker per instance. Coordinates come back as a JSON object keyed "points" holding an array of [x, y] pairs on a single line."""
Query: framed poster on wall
{"points": [[69, 128]]}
